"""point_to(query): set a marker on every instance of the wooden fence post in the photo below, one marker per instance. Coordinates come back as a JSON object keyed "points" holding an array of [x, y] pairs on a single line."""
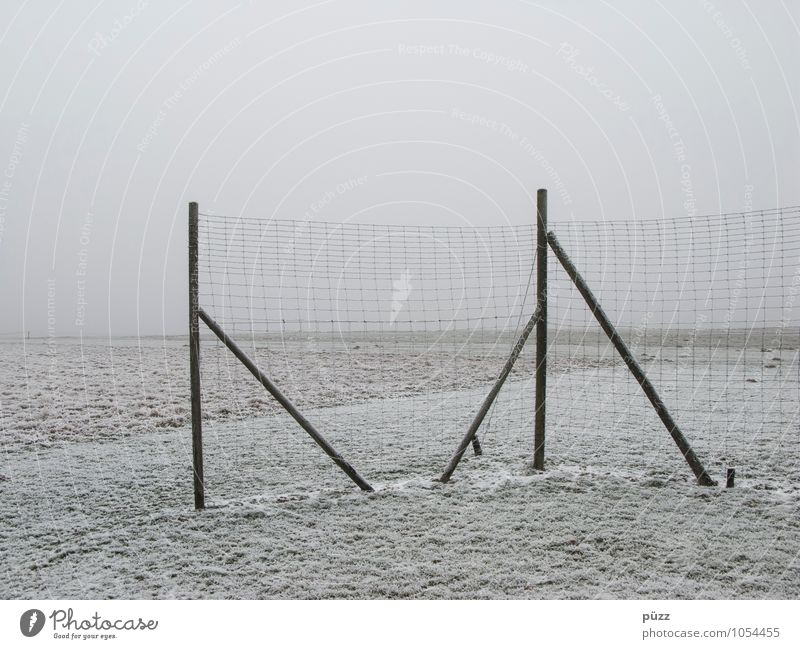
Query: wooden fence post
{"points": [[194, 362], [541, 329]]}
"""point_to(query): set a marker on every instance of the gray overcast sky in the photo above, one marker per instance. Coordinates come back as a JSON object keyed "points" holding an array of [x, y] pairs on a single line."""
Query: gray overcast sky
{"points": [[113, 115]]}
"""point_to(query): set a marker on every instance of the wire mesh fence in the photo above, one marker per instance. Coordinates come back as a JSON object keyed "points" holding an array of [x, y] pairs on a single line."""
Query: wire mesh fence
{"points": [[384, 336], [388, 337], [709, 307]]}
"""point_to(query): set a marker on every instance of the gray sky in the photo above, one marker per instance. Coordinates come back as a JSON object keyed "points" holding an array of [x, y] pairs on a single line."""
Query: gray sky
{"points": [[113, 115]]}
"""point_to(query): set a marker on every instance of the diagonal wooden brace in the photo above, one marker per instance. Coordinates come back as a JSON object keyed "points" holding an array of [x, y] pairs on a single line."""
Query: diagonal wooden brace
{"points": [[487, 402], [283, 400], [661, 410]]}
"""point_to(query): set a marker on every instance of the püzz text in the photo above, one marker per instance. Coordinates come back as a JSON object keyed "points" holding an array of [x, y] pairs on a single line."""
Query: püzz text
{"points": [[649, 617]]}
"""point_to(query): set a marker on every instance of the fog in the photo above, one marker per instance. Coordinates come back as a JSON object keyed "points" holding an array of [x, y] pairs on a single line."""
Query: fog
{"points": [[113, 116]]}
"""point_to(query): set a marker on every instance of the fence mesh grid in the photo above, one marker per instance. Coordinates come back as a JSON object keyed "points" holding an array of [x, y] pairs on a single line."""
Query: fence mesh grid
{"points": [[384, 336], [708, 305], [388, 338]]}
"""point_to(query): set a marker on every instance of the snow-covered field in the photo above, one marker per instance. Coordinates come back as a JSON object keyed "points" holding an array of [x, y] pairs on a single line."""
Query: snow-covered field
{"points": [[96, 500]]}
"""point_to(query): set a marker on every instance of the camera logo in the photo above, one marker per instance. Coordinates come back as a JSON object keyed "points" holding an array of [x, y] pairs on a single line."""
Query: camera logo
{"points": [[31, 622]]}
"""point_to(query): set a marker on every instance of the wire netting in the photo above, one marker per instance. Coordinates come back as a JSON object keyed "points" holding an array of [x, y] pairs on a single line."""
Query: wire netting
{"points": [[388, 337], [709, 307]]}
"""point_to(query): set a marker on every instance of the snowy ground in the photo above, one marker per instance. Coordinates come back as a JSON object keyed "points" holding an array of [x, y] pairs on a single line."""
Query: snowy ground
{"points": [[95, 482]]}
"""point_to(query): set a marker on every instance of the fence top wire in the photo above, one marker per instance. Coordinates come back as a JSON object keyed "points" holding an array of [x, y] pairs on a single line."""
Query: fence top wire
{"points": [[695, 219], [788, 209]]}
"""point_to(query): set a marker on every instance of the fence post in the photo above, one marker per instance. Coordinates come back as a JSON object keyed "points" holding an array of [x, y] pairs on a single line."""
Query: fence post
{"points": [[541, 328], [194, 363]]}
